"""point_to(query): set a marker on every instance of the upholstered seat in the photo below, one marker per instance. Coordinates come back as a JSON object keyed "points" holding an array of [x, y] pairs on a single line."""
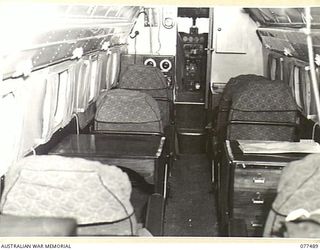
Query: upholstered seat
{"points": [[97, 196], [298, 189], [149, 80], [234, 85], [19, 226], [129, 111], [263, 110]]}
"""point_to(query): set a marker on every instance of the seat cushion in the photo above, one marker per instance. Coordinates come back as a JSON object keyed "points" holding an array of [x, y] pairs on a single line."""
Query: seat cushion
{"points": [[56, 186], [14, 226]]}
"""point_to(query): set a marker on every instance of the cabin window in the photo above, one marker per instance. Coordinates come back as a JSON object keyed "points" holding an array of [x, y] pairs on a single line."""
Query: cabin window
{"points": [[93, 80], [103, 72], [62, 96], [308, 94], [273, 69], [10, 130], [276, 68], [280, 69], [298, 87], [83, 86], [313, 109], [112, 69]]}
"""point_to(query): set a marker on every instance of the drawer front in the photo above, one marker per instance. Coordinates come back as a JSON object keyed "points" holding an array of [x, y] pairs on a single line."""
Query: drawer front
{"points": [[254, 208], [257, 199], [255, 228], [254, 220], [256, 178]]}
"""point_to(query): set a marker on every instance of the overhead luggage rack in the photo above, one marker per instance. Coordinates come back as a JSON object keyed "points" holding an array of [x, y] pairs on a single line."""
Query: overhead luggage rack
{"points": [[284, 30], [284, 17]]}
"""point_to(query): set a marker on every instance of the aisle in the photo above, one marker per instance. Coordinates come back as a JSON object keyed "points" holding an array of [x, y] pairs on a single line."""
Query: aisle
{"points": [[190, 209]]}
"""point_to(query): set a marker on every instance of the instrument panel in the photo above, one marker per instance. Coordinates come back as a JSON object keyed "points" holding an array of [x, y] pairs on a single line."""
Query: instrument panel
{"points": [[194, 46]]}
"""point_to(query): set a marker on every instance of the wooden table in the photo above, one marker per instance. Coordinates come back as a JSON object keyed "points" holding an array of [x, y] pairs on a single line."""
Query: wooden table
{"points": [[140, 153]]}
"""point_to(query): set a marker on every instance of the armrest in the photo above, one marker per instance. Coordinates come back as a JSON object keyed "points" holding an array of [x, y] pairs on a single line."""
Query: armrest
{"points": [[36, 226], [155, 215], [237, 228]]}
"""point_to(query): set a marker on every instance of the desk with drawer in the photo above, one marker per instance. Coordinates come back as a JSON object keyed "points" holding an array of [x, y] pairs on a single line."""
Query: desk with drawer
{"points": [[247, 186], [140, 153]]}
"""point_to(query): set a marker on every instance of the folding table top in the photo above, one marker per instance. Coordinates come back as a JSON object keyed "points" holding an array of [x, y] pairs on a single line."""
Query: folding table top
{"points": [[110, 146], [237, 156]]}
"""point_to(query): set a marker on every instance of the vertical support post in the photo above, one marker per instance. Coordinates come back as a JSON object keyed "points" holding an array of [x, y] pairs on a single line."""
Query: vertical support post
{"points": [[209, 58], [315, 88]]}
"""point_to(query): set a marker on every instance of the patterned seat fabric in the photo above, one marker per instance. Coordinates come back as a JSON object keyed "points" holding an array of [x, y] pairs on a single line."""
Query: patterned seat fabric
{"points": [[127, 110], [145, 78], [96, 195], [269, 103], [298, 189], [149, 80], [234, 84]]}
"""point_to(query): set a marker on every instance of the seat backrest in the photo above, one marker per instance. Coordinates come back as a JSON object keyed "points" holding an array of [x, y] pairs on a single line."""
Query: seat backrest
{"points": [[298, 188], [144, 78], [263, 110], [54, 186], [127, 110], [149, 80], [234, 84]]}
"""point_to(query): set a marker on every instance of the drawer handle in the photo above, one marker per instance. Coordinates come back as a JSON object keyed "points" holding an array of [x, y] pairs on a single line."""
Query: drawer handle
{"points": [[259, 180], [258, 199], [256, 224]]}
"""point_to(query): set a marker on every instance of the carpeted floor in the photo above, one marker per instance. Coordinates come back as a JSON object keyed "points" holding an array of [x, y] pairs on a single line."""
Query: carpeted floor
{"points": [[190, 209]]}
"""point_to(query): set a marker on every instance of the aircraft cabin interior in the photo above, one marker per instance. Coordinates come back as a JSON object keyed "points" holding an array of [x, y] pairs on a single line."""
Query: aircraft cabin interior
{"points": [[159, 121]]}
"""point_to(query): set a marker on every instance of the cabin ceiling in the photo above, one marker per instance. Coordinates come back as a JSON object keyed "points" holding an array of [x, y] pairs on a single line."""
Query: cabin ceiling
{"points": [[37, 35], [44, 34]]}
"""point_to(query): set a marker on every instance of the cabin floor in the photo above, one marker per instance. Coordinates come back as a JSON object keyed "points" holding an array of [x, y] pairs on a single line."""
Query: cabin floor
{"points": [[190, 208]]}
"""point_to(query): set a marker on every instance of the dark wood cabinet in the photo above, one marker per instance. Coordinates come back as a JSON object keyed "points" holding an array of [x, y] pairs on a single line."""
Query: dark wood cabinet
{"points": [[247, 187]]}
